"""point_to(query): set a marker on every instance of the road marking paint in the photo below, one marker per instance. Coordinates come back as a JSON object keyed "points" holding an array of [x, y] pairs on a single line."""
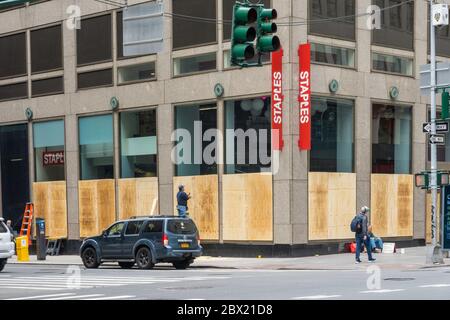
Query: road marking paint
{"points": [[76, 297], [439, 285], [316, 297], [382, 291], [112, 298], [43, 296], [32, 288]]}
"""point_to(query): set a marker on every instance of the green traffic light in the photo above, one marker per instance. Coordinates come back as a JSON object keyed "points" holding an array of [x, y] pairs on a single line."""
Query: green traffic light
{"points": [[268, 43], [243, 15], [445, 103], [268, 14], [243, 51], [269, 27], [244, 34]]}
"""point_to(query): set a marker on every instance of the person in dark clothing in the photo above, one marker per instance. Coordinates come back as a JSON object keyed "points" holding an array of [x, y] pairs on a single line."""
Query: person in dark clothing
{"points": [[182, 199], [361, 236]]}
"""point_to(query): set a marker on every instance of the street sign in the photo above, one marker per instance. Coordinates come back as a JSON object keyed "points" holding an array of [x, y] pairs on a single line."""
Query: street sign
{"points": [[440, 126], [445, 218], [442, 77], [437, 139]]}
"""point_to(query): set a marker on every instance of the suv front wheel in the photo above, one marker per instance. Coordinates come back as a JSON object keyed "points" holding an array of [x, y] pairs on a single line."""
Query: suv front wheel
{"points": [[89, 258], [144, 258], [2, 264], [183, 264]]}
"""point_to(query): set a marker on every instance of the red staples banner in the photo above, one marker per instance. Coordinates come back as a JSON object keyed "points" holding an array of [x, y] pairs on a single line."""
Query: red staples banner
{"points": [[304, 96], [277, 100]]}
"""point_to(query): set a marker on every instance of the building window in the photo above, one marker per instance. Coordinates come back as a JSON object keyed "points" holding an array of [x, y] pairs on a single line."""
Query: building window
{"points": [[322, 53], [94, 40], [343, 28], [228, 16], [13, 58], [391, 139], [96, 147], [47, 86], [48, 139], [138, 148], [135, 73], [196, 140], [46, 49], [397, 25], [265, 58], [95, 79], [188, 32], [200, 63], [442, 41], [392, 64], [14, 91], [248, 135], [332, 135], [119, 28]]}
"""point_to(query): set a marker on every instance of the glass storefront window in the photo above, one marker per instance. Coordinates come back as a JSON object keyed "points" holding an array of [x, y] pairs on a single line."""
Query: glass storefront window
{"points": [[332, 135], [248, 135], [196, 140], [48, 139], [138, 148], [391, 139], [96, 147]]}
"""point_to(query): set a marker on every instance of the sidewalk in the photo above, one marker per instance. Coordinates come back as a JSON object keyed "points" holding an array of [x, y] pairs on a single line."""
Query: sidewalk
{"points": [[413, 258]]}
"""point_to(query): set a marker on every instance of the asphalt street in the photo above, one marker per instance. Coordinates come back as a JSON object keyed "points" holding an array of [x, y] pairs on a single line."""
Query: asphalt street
{"points": [[59, 282]]}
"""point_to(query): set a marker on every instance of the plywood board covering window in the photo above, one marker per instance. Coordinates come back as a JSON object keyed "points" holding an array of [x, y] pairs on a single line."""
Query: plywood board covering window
{"points": [[138, 197], [50, 203], [97, 206], [247, 207], [203, 207], [331, 205], [391, 201]]}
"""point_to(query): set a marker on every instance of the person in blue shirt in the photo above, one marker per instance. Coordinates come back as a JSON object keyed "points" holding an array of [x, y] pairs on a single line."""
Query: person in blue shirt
{"points": [[182, 199]]}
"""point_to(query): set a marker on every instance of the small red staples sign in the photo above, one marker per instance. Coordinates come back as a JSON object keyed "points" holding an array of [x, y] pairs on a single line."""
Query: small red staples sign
{"points": [[304, 96], [53, 158], [277, 100]]}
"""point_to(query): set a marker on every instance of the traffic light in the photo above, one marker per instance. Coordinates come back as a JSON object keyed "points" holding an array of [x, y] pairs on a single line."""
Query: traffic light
{"points": [[266, 41], [445, 101], [243, 33]]}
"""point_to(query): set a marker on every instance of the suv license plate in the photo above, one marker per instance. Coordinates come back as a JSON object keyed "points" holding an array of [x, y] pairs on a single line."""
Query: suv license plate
{"points": [[185, 245]]}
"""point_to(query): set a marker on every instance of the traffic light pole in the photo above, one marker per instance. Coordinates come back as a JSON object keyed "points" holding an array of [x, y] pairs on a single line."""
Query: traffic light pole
{"points": [[434, 253]]}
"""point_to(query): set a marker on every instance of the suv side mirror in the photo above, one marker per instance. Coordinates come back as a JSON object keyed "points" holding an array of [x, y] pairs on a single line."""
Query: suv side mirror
{"points": [[104, 233]]}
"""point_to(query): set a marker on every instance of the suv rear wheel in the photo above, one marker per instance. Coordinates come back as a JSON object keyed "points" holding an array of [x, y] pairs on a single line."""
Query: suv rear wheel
{"points": [[144, 258], [126, 265], [89, 258], [2, 264], [183, 264]]}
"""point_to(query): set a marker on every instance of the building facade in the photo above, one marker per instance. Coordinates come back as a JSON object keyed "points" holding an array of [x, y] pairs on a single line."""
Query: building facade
{"points": [[87, 134]]}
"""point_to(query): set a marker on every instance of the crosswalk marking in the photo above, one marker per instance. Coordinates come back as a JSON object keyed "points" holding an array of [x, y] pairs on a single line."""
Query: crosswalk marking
{"points": [[31, 288], [43, 296], [316, 297], [382, 291], [76, 297], [439, 285], [112, 298]]}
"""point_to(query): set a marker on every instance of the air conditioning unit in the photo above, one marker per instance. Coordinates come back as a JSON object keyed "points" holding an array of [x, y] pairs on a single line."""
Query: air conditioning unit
{"points": [[440, 14]]}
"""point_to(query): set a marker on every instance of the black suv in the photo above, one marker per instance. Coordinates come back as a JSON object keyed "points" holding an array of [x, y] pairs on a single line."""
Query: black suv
{"points": [[144, 241]]}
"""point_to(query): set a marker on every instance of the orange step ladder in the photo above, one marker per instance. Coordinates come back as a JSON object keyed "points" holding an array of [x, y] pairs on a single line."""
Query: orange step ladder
{"points": [[27, 221]]}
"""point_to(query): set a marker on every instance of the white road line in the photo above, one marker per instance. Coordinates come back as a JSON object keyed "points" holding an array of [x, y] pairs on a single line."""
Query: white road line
{"points": [[439, 285], [63, 282], [316, 297], [382, 291], [32, 288], [44, 296], [76, 297], [112, 298]]}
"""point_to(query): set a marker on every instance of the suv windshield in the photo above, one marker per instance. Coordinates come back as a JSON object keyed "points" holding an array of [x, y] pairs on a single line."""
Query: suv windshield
{"points": [[181, 226], [3, 228]]}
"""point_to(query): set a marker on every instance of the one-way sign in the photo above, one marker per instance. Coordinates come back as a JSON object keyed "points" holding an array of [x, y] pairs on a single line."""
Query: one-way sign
{"points": [[441, 126], [437, 139]]}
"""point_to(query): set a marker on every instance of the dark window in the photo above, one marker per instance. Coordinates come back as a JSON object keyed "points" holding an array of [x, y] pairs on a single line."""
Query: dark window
{"points": [[397, 25], [47, 86], [391, 139], [14, 91], [115, 230], [93, 79], [228, 16], [119, 25], [155, 226], [332, 135], [3, 228], [186, 32], [133, 227], [181, 226], [442, 41], [332, 9], [46, 49], [94, 40], [13, 55]]}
